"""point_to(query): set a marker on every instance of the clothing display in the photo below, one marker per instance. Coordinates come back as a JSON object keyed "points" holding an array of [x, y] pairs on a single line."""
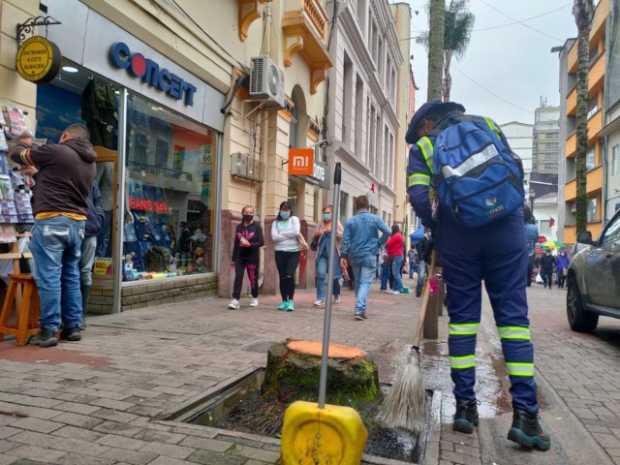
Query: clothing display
{"points": [[99, 110]]}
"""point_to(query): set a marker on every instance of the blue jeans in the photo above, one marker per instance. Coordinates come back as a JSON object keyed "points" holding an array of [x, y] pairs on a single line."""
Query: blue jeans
{"points": [[364, 271], [397, 265], [421, 277], [56, 250], [321, 278]]}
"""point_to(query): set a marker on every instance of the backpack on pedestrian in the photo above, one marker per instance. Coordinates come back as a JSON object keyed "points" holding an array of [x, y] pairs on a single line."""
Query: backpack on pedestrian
{"points": [[476, 175]]}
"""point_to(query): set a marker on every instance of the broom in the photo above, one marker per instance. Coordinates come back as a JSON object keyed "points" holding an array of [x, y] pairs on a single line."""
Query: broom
{"points": [[403, 407]]}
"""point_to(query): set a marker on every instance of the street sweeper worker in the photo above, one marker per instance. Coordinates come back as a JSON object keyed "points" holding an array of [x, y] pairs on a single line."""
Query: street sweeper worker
{"points": [[465, 184]]}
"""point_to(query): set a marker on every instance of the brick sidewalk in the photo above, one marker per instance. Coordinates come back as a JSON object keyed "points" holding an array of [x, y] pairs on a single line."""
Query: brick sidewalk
{"points": [[99, 401]]}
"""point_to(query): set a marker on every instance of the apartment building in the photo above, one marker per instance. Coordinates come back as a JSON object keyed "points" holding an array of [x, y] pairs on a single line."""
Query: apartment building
{"points": [[363, 121], [520, 136], [546, 149], [602, 35]]}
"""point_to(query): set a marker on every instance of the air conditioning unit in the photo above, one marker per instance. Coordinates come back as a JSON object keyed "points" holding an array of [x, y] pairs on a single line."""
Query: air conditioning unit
{"points": [[266, 81]]}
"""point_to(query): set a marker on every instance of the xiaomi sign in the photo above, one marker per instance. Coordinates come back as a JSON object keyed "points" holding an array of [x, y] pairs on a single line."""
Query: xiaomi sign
{"points": [[300, 162]]}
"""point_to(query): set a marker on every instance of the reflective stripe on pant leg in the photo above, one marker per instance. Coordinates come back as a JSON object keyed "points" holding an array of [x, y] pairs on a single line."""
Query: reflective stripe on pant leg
{"points": [[463, 329], [418, 179], [514, 333], [463, 362], [520, 369]]}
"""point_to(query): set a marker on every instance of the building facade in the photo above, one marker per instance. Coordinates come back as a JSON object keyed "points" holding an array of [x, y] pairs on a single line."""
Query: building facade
{"points": [[601, 36], [546, 149], [405, 107], [181, 145], [520, 136], [362, 121]]}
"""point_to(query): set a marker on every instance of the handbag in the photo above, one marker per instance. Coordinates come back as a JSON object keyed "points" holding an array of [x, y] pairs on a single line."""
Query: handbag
{"points": [[314, 245]]}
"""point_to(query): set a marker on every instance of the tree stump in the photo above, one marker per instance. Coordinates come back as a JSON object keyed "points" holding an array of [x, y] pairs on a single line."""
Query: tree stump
{"points": [[294, 366]]}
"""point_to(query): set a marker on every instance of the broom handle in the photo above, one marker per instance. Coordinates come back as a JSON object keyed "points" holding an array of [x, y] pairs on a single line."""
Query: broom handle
{"points": [[330, 287], [425, 300]]}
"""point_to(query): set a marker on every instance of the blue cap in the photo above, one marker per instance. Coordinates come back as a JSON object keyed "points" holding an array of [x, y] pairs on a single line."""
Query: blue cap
{"points": [[426, 110]]}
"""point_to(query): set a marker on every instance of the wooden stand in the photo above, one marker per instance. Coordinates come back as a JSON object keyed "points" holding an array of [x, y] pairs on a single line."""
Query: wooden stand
{"points": [[22, 299]]}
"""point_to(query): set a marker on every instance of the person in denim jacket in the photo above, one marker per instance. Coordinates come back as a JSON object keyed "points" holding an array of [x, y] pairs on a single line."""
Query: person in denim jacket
{"points": [[364, 235]]}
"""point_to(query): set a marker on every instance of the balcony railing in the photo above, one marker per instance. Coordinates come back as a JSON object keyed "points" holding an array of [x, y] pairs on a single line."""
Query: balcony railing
{"points": [[318, 16]]}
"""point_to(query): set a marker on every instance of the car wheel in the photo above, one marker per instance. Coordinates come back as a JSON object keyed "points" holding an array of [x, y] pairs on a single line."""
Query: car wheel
{"points": [[579, 318]]}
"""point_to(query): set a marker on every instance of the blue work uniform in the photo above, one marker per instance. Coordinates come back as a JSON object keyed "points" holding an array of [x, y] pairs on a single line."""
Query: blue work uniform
{"points": [[496, 253]]}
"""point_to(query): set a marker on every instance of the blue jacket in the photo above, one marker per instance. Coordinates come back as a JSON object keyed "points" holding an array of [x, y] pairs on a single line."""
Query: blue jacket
{"points": [[361, 236]]}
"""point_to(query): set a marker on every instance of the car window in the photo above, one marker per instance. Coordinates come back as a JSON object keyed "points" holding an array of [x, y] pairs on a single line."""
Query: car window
{"points": [[612, 233]]}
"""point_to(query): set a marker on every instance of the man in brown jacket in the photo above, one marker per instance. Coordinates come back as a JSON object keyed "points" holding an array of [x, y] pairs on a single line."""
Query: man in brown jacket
{"points": [[65, 172]]}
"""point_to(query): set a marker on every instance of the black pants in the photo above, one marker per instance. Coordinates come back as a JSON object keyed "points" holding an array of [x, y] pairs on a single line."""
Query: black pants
{"points": [[251, 267], [547, 277], [287, 265], [561, 279]]}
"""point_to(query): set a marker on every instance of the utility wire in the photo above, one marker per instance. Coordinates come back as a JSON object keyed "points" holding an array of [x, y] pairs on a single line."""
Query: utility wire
{"points": [[488, 90], [521, 22], [417, 34]]}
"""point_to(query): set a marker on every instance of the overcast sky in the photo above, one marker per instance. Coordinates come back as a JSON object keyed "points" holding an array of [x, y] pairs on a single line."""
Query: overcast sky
{"points": [[514, 61]]}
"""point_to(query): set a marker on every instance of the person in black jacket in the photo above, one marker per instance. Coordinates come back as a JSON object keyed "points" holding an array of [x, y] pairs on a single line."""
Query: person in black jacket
{"points": [[424, 250], [94, 220], [246, 254], [547, 263]]}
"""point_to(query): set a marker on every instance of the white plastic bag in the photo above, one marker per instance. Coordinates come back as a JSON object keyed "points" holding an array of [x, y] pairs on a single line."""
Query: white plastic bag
{"points": [[539, 279]]}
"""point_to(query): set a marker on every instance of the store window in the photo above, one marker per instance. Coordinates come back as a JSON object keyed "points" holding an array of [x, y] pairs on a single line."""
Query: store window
{"points": [[615, 160], [592, 211], [169, 218]]}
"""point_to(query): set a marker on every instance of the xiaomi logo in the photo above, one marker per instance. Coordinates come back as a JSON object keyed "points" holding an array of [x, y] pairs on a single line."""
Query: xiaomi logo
{"points": [[300, 162]]}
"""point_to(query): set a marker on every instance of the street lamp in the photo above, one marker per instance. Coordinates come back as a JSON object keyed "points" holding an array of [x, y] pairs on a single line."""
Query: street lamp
{"points": [[532, 197]]}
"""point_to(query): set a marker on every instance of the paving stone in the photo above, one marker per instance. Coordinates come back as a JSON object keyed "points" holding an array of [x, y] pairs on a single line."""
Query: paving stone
{"points": [[27, 462], [38, 453], [256, 454], [169, 461], [114, 415], [36, 424], [122, 442], [74, 407], [112, 404], [130, 456], [153, 435], [78, 420], [208, 457], [78, 459], [55, 443], [204, 443], [78, 433], [169, 450], [6, 446], [121, 429], [459, 458], [7, 432]]}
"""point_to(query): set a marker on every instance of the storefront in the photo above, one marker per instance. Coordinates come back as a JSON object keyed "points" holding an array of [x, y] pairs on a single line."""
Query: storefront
{"points": [[157, 132]]}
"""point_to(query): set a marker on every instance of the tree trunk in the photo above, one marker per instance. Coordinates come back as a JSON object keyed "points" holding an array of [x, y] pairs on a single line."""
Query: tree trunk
{"points": [[447, 77], [582, 124], [435, 49]]}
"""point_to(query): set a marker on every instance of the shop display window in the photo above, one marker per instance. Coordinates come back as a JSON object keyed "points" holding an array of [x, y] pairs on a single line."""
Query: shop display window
{"points": [[168, 228]]}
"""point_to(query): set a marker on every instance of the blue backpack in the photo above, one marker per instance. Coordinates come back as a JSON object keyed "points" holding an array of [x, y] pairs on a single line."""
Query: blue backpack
{"points": [[476, 175]]}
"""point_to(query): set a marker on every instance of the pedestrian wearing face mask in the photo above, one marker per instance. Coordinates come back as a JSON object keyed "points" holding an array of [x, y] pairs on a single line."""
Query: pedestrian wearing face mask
{"points": [[285, 232], [320, 243], [246, 255]]}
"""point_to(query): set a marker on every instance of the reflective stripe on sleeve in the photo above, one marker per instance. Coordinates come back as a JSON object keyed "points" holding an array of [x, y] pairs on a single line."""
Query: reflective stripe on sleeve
{"points": [[463, 329], [520, 369], [418, 179], [463, 362], [426, 147], [514, 332]]}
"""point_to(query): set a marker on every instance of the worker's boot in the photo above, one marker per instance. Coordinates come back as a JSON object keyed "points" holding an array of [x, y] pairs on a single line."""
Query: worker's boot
{"points": [[527, 432], [466, 416]]}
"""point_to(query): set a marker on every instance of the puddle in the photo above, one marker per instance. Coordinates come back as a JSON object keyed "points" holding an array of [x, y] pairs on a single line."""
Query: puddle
{"points": [[241, 407]]}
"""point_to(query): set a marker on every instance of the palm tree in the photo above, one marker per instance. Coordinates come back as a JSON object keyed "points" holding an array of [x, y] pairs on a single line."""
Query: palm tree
{"points": [[458, 25], [583, 11], [435, 48]]}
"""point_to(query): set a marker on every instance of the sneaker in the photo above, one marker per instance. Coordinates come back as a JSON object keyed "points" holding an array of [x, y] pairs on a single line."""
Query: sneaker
{"points": [[364, 316], [337, 299], [290, 307], [45, 338], [359, 316], [394, 292], [254, 303], [234, 305], [319, 303], [283, 306], [466, 416], [527, 432], [71, 334]]}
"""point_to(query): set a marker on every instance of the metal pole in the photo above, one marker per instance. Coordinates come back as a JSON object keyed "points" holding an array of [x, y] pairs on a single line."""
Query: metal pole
{"points": [[330, 287], [119, 217], [217, 258]]}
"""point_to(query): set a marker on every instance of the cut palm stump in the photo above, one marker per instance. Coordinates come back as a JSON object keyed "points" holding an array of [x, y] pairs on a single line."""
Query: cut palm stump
{"points": [[294, 366], [335, 434]]}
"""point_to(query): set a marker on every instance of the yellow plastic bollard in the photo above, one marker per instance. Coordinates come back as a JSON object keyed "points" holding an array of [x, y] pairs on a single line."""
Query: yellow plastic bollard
{"points": [[333, 435]]}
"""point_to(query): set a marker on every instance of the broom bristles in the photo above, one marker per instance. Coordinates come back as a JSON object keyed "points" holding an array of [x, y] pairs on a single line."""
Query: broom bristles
{"points": [[403, 407]]}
